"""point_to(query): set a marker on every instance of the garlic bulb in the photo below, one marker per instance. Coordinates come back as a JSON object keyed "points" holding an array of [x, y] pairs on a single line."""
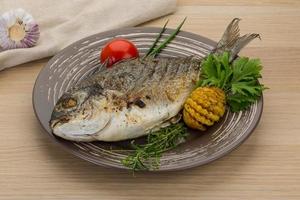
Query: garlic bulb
{"points": [[18, 30]]}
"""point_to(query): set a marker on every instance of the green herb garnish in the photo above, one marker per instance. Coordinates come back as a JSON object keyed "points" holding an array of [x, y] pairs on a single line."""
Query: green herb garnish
{"points": [[157, 39], [147, 156], [239, 79], [155, 51]]}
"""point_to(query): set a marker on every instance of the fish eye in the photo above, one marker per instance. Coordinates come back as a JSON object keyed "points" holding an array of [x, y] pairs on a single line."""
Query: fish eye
{"points": [[69, 103]]}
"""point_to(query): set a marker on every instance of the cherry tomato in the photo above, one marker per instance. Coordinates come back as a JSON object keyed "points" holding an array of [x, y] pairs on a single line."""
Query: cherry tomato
{"points": [[118, 49]]}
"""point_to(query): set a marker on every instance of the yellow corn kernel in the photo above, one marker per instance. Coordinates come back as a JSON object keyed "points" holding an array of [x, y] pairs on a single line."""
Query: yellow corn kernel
{"points": [[204, 107]]}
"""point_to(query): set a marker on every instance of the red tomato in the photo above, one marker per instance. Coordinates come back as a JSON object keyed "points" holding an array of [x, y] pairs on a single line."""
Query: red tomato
{"points": [[118, 49]]}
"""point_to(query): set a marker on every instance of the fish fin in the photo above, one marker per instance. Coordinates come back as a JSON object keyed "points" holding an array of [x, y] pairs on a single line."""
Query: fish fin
{"points": [[231, 40], [164, 124], [173, 120], [230, 36], [241, 43]]}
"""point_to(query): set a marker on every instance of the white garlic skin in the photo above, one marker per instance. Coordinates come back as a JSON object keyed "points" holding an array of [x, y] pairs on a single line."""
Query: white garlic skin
{"points": [[18, 30]]}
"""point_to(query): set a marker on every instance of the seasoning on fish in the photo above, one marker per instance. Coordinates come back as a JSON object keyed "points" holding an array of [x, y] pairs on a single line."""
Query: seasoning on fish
{"points": [[134, 97]]}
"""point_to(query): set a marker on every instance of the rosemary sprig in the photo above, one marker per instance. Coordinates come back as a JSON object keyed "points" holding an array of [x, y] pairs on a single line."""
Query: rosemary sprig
{"points": [[147, 156], [157, 39], [157, 50]]}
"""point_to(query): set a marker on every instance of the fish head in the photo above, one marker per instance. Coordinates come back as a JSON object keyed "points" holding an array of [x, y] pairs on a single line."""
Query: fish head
{"points": [[81, 113]]}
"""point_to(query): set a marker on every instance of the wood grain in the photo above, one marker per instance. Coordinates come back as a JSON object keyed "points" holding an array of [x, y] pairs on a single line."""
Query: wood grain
{"points": [[266, 166]]}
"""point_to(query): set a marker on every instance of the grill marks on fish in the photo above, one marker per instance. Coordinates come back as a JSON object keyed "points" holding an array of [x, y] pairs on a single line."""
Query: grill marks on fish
{"points": [[143, 82], [173, 77]]}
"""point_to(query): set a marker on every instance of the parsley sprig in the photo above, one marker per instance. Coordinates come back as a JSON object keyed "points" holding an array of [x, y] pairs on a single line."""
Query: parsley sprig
{"points": [[239, 79]]}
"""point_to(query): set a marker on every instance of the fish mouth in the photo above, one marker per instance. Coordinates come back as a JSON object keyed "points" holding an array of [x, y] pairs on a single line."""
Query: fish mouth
{"points": [[58, 118], [55, 122]]}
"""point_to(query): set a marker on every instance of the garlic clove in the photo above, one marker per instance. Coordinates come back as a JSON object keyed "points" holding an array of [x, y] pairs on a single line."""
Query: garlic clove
{"points": [[18, 30]]}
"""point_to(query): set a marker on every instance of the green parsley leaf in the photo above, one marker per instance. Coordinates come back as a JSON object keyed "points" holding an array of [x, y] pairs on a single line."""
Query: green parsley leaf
{"points": [[215, 71], [239, 102], [245, 69], [239, 79]]}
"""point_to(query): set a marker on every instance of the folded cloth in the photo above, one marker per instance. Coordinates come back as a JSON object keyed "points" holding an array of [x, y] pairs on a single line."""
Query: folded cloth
{"points": [[64, 22]]}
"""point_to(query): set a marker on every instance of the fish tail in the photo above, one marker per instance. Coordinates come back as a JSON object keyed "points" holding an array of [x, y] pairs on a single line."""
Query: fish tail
{"points": [[231, 40]]}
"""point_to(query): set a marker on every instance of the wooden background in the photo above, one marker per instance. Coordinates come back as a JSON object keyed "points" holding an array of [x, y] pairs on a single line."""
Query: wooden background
{"points": [[266, 166]]}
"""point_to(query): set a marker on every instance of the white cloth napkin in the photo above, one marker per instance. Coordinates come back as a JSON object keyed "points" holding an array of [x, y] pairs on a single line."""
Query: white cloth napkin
{"points": [[64, 22]]}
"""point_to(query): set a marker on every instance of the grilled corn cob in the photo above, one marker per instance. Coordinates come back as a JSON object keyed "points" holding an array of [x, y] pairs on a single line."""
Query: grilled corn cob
{"points": [[204, 107]]}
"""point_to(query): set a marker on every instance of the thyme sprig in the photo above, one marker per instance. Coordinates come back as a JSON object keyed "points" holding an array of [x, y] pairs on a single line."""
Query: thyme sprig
{"points": [[147, 156]]}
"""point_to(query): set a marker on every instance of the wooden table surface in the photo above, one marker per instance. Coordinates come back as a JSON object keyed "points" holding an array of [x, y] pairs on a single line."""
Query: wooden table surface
{"points": [[266, 166]]}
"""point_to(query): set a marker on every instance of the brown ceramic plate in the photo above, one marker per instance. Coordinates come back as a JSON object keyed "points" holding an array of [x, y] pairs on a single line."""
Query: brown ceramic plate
{"points": [[79, 59]]}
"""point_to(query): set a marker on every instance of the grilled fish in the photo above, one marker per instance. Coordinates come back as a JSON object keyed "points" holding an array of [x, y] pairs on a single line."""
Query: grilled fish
{"points": [[135, 96]]}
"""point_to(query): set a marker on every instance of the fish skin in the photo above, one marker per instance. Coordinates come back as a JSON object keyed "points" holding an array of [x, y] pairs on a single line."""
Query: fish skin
{"points": [[128, 100]]}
